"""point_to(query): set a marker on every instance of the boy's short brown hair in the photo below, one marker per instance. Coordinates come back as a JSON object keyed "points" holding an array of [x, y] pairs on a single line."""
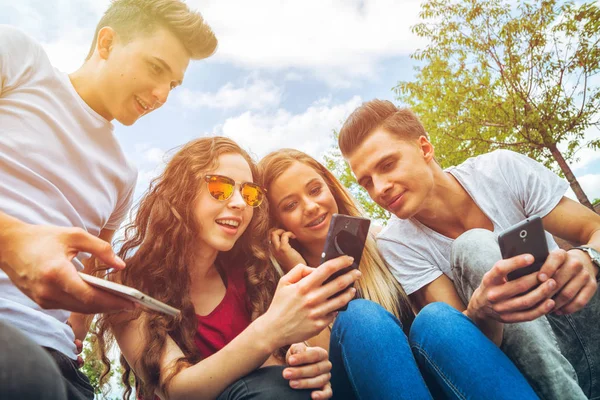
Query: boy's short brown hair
{"points": [[378, 114], [133, 17]]}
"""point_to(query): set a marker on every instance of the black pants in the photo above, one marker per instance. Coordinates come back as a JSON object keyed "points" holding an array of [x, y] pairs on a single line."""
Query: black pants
{"points": [[76, 383], [264, 384], [29, 372]]}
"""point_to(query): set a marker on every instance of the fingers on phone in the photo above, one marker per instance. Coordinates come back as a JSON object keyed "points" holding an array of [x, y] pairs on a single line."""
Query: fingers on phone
{"points": [[296, 275], [528, 315], [499, 272], [337, 302], [517, 287], [555, 259], [328, 268], [529, 300], [83, 241], [94, 300]]}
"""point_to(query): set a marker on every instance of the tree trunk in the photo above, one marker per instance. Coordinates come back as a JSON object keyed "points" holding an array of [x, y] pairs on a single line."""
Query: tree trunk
{"points": [[581, 196]]}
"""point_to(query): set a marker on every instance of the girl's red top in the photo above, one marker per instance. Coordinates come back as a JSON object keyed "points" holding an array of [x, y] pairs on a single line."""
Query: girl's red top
{"points": [[228, 319]]}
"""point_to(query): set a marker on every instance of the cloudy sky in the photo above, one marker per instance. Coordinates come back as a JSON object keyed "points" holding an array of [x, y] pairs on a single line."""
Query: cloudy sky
{"points": [[286, 72]]}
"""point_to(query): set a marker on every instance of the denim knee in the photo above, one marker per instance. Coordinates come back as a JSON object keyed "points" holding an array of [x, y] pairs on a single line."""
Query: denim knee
{"points": [[363, 315], [434, 318]]}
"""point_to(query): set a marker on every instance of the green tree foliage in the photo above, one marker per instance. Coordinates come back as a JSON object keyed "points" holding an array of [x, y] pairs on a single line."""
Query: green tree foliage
{"points": [[335, 162], [517, 75], [92, 365]]}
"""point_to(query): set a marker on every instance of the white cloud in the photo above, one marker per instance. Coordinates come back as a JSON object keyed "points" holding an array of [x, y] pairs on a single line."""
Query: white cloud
{"points": [[309, 131], [338, 40], [63, 27], [255, 94], [155, 155], [292, 76]]}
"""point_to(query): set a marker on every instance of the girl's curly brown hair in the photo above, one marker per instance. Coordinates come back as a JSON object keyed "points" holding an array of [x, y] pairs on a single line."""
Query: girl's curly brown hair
{"points": [[158, 248]]}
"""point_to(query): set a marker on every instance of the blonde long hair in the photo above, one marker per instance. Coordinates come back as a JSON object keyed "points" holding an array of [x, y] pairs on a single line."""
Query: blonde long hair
{"points": [[377, 282]]}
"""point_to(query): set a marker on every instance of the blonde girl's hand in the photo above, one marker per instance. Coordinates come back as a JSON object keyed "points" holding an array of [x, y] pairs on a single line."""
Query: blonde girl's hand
{"points": [[282, 250], [309, 368]]}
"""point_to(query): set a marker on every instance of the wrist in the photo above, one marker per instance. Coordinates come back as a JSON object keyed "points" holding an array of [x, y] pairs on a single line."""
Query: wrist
{"points": [[266, 338], [590, 259]]}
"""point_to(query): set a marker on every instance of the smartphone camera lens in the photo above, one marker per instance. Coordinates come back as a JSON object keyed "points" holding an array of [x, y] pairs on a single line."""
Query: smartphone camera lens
{"points": [[523, 234]]}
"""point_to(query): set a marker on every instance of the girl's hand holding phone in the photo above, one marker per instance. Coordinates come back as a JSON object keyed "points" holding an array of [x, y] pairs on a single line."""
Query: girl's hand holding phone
{"points": [[282, 250], [302, 306]]}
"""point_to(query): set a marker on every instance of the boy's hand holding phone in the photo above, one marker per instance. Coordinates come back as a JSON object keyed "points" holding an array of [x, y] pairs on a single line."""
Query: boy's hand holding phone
{"points": [[575, 280], [572, 271], [509, 301], [283, 251]]}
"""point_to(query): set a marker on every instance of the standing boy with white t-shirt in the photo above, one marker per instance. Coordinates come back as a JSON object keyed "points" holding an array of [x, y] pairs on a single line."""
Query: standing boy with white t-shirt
{"points": [[441, 245], [65, 183]]}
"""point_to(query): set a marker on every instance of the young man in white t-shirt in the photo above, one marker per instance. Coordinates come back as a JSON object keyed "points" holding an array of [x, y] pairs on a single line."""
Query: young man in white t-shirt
{"points": [[441, 245], [65, 183]]}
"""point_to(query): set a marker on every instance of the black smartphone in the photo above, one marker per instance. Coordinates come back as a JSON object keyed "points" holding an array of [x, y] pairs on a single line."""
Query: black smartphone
{"points": [[526, 237], [346, 236]]}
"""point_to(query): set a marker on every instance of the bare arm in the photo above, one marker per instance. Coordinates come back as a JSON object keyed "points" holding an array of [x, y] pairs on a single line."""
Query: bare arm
{"points": [[576, 223], [441, 289], [208, 378]]}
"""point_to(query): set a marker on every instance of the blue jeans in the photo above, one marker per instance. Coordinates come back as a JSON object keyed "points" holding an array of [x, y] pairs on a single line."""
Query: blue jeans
{"points": [[372, 358], [559, 354]]}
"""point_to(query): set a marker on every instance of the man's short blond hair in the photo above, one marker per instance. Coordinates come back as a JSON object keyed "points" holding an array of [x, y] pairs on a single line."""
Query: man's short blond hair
{"points": [[134, 17]]}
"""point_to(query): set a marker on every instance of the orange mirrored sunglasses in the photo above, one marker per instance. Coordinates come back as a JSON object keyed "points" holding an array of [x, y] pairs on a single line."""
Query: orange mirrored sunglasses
{"points": [[221, 188]]}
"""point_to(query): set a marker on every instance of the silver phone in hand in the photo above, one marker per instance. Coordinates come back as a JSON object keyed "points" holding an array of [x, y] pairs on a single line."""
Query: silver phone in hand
{"points": [[130, 294]]}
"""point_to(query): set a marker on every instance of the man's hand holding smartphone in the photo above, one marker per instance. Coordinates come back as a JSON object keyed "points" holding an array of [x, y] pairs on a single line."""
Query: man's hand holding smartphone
{"points": [[575, 281], [509, 301], [37, 259], [572, 271]]}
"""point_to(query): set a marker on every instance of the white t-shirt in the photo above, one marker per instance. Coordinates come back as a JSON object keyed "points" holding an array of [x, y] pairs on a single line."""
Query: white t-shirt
{"points": [[60, 164], [508, 187]]}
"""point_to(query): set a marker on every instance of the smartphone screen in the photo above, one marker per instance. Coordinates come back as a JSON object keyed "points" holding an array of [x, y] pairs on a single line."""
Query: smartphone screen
{"points": [[526, 237], [346, 236]]}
